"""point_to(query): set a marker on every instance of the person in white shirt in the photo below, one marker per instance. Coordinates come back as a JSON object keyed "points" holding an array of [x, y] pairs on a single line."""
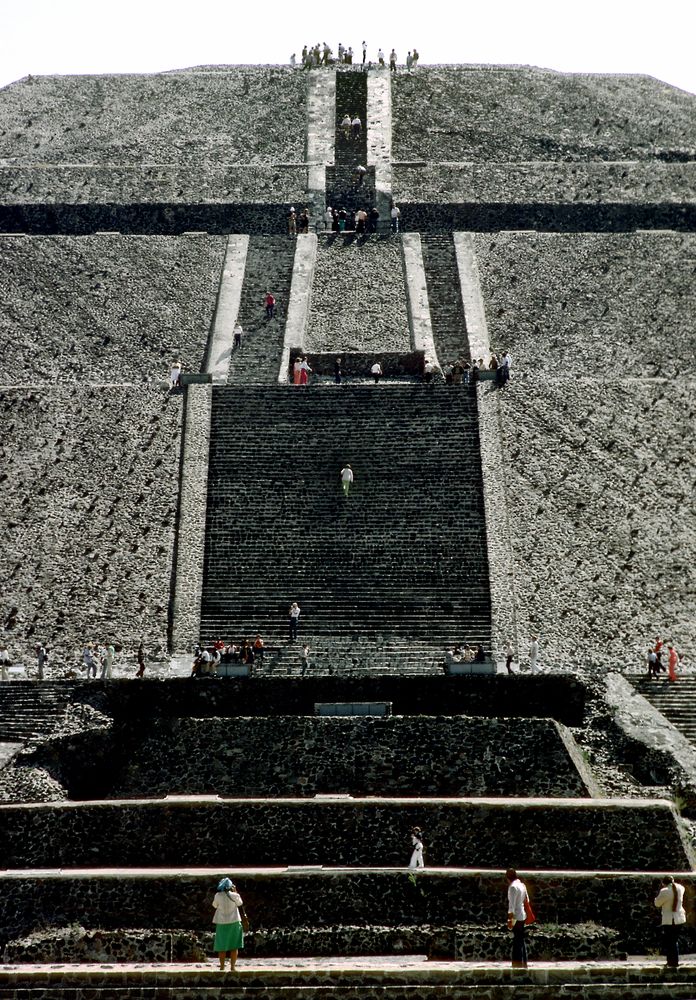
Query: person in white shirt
{"points": [[356, 125], [5, 662], [229, 935], [428, 370], [293, 619], [238, 334], [376, 371], [517, 894], [107, 661], [380, 58], [346, 124], [509, 656], [417, 855], [175, 375], [346, 478], [534, 653], [670, 899], [395, 216], [328, 219]]}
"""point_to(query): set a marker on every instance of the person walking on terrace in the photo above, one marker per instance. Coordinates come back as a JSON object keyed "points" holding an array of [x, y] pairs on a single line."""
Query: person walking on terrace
{"points": [[305, 371], [238, 335], [417, 855], [346, 478], [392, 60], [175, 375], [5, 662], [376, 372], [229, 935], [293, 620], [141, 661], [670, 899], [534, 654], [518, 901], [41, 660]]}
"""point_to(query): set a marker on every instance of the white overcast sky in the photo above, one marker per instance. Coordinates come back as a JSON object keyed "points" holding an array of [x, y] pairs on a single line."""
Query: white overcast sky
{"points": [[135, 36]]}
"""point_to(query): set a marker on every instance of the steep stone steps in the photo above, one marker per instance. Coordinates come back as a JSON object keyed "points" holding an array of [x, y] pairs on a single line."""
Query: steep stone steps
{"points": [[363, 978], [445, 297], [382, 561], [553, 833], [676, 701], [269, 267], [31, 710], [341, 188]]}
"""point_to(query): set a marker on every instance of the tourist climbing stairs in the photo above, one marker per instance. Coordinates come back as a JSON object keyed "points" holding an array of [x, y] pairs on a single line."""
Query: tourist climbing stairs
{"points": [[676, 701], [269, 267], [31, 710], [342, 189]]}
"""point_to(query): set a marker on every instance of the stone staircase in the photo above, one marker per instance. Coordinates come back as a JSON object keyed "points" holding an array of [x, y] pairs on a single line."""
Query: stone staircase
{"points": [[403, 558], [31, 710], [677, 702], [445, 297], [341, 189], [269, 267]]}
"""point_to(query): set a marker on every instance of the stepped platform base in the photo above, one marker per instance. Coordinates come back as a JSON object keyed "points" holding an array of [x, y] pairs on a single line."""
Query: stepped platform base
{"points": [[399, 978]]}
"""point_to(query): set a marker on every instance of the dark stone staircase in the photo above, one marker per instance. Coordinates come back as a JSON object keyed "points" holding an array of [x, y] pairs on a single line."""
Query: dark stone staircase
{"points": [[676, 701], [445, 298], [402, 560], [341, 188], [31, 710], [268, 269]]}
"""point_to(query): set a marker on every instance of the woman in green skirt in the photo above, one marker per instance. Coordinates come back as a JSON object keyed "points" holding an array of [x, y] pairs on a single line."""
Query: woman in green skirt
{"points": [[229, 936]]}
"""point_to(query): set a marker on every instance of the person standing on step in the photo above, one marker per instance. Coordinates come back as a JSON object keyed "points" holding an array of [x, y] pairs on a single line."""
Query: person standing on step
{"points": [[141, 660], [238, 334], [229, 935], [670, 899], [534, 654], [417, 854], [509, 656], [297, 371], [270, 304], [338, 371], [516, 918], [346, 478], [395, 217], [292, 222], [305, 371], [672, 662], [346, 124], [356, 126], [293, 620], [359, 174], [41, 661], [376, 372], [304, 659], [364, 52]]}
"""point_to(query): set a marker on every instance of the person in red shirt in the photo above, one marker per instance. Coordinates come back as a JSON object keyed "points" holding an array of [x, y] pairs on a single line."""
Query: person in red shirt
{"points": [[270, 305], [672, 663]]}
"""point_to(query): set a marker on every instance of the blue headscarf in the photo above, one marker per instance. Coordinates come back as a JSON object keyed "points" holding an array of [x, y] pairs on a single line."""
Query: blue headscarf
{"points": [[225, 885]]}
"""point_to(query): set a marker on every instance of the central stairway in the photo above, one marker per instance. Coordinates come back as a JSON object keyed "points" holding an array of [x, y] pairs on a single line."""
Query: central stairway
{"points": [[401, 560]]}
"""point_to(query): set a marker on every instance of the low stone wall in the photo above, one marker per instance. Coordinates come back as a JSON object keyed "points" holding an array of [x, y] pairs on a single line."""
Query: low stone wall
{"points": [[158, 899], [358, 297], [90, 490], [561, 697], [536, 833], [521, 113], [358, 365], [109, 308], [306, 756], [65, 945]]}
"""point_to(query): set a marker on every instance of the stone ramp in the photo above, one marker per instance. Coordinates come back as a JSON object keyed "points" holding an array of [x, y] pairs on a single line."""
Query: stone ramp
{"points": [[549, 833]]}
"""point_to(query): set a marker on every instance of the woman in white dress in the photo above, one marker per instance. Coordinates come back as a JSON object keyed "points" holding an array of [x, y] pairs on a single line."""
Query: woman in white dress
{"points": [[417, 855]]}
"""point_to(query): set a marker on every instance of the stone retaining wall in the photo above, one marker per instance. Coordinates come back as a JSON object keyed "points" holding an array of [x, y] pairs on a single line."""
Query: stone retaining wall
{"points": [[623, 901], [358, 297], [601, 527], [109, 308], [545, 834], [446, 113], [90, 482], [237, 114], [619, 306]]}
